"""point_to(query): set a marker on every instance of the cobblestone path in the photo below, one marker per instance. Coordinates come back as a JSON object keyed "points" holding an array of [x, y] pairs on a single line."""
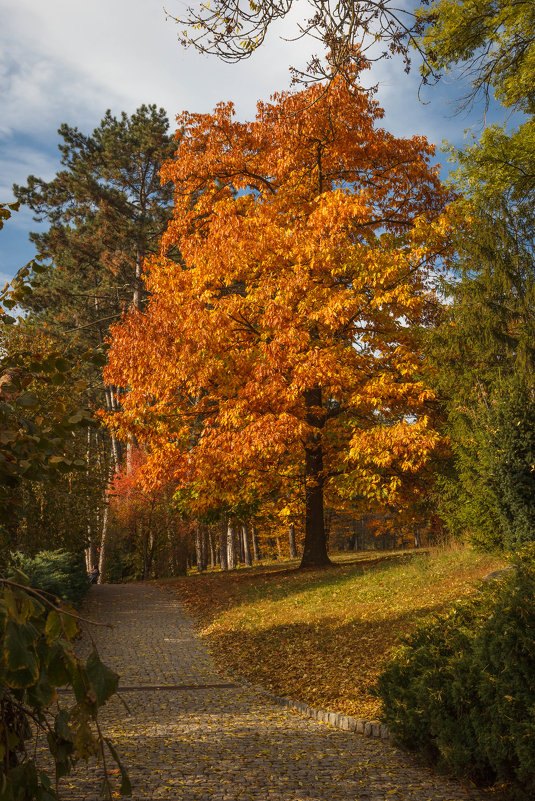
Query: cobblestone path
{"points": [[190, 736]]}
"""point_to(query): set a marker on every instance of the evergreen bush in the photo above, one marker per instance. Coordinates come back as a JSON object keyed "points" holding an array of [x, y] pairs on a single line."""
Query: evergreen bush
{"points": [[62, 574], [461, 690]]}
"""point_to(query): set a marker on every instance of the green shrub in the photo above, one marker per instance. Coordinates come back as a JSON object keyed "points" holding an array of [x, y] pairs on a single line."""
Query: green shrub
{"points": [[57, 572], [461, 690]]}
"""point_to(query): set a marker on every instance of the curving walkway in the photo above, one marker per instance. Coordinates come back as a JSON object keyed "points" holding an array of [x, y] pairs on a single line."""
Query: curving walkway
{"points": [[192, 734]]}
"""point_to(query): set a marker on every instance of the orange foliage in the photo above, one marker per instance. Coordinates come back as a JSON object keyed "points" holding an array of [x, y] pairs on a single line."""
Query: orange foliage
{"points": [[285, 345]]}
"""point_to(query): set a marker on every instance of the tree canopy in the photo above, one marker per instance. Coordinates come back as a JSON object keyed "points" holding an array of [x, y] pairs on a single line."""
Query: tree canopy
{"points": [[288, 340]]}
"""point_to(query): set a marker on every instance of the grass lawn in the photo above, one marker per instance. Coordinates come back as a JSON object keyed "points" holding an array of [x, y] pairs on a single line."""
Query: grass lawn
{"points": [[320, 636]]}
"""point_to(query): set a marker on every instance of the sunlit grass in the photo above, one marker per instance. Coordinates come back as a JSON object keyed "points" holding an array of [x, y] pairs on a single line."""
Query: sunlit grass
{"points": [[320, 636]]}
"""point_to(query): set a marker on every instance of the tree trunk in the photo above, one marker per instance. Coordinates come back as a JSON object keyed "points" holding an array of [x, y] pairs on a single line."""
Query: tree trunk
{"points": [[91, 554], [150, 553], [105, 521], [240, 550], [246, 551], [315, 547], [144, 545], [205, 547], [111, 403], [291, 541], [103, 542], [211, 548], [231, 547], [198, 548], [138, 280], [223, 544], [256, 549]]}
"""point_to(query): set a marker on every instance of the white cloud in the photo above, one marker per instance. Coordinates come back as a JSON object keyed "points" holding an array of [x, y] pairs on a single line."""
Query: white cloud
{"points": [[70, 60]]}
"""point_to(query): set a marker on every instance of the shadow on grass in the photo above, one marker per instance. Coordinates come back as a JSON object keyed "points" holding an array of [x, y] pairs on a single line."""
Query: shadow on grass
{"points": [[324, 663], [207, 593]]}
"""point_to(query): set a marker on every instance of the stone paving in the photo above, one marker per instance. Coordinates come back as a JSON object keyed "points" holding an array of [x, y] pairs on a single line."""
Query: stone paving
{"points": [[188, 737]]}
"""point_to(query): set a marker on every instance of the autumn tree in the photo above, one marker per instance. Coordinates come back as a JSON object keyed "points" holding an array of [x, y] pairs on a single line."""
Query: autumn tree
{"points": [[147, 527], [287, 344]]}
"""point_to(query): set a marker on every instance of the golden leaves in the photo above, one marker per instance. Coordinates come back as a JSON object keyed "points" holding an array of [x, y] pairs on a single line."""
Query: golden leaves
{"points": [[307, 243]]}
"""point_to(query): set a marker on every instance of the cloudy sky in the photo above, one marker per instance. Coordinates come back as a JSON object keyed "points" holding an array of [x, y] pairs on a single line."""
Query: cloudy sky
{"points": [[69, 61]]}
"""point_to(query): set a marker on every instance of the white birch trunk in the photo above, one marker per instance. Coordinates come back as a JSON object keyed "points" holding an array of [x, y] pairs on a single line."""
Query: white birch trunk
{"points": [[246, 551], [256, 550], [231, 547], [223, 545]]}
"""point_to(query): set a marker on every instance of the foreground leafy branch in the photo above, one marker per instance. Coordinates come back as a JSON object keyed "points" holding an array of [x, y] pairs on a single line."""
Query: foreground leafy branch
{"points": [[37, 658]]}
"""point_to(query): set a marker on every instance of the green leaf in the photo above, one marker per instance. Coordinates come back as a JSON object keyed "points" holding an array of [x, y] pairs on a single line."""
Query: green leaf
{"points": [[19, 639], [99, 359], [104, 681], [70, 624], [61, 665], [53, 628], [62, 365]]}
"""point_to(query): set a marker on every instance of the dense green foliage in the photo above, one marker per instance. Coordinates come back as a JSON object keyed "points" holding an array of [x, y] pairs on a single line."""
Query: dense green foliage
{"points": [[36, 657], [59, 573], [39, 421], [461, 689], [484, 351], [107, 209], [39, 411], [493, 41], [490, 494]]}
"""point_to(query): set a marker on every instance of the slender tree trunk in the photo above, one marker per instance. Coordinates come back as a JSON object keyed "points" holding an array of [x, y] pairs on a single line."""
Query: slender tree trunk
{"points": [[150, 552], [246, 551], [231, 546], [173, 562], [138, 280], [112, 407], [91, 549], [198, 547], [103, 542], [105, 522], [256, 549], [211, 547], [223, 544], [315, 548], [241, 554], [279, 549], [205, 547], [291, 541]]}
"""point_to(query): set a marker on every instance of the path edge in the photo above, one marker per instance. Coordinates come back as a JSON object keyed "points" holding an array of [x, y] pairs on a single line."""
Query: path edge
{"points": [[368, 728]]}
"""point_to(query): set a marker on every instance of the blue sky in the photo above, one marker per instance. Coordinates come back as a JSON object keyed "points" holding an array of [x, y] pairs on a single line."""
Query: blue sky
{"points": [[69, 61]]}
